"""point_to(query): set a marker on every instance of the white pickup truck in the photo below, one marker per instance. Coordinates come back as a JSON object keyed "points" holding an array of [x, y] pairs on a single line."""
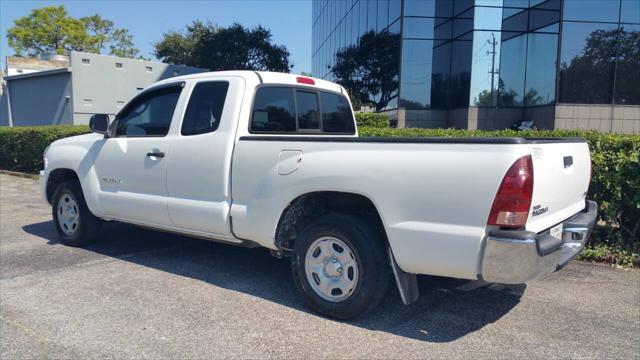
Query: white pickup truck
{"points": [[274, 160]]}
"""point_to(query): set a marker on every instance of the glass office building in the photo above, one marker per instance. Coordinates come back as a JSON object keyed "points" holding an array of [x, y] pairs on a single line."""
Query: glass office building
{"points": [[485, 64]]}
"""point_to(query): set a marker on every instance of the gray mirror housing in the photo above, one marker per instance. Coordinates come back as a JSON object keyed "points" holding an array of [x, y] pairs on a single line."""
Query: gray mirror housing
{"points": [[99, 123]]}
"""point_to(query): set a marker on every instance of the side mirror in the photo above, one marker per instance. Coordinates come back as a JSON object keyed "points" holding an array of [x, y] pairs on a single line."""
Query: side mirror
{"points": [[99, 123]]}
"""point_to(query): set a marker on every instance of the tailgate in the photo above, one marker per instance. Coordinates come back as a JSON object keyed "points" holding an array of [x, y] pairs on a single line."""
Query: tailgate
{"points": [[562, 170]]}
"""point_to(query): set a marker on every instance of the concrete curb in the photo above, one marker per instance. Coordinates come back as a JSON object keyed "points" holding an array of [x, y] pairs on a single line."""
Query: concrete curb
{"points": [[20, 174]]}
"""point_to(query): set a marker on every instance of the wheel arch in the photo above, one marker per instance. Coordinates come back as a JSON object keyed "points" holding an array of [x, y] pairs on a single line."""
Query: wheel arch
{"points": [[305, 207], [57, 177]]}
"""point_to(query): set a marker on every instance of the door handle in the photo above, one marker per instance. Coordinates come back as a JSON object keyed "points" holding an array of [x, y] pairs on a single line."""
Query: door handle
{"points": [[158, 154]]}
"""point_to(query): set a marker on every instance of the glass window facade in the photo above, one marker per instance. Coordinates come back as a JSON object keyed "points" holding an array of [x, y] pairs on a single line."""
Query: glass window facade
{"points": [[489, 53]]}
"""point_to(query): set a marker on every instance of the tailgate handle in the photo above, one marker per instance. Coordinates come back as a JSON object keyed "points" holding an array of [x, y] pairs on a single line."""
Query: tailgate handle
{"points": [[568, 161]]}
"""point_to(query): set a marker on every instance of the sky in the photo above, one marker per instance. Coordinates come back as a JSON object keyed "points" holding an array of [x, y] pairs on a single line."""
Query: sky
{"points": [[288, 20]]}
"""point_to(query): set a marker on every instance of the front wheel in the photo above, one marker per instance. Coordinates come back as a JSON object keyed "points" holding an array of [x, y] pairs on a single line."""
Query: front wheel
{"points": [[340, 265], [75, 224]]}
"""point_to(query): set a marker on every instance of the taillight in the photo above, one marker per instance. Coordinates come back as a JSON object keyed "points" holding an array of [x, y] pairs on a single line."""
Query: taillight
{"points": [[305, 80], [513, 200]]}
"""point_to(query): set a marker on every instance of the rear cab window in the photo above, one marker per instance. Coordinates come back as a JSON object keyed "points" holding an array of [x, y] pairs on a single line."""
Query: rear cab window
{"points": [[293, 110]]}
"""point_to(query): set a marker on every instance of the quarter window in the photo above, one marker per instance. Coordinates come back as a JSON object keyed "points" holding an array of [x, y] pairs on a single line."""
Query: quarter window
{"points": [[204, 109], [149, 114]]}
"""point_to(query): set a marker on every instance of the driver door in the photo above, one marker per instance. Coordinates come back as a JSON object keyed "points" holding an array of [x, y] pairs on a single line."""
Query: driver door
{"points": [[131, 166]]}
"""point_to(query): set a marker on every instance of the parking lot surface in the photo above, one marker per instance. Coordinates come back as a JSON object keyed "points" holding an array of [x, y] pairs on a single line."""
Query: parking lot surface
{"points": [[145, 294]]}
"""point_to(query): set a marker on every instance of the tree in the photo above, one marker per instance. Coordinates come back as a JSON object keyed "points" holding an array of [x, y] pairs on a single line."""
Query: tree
{"points": [[218, 48], [51, 30], [177, 47], [370, 69], [47, 30], [99, 29], [122, 44]]}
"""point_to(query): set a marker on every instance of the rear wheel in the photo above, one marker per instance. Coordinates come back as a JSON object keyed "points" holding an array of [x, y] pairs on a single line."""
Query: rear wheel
{"points": [[340, 266], [75, 224]]}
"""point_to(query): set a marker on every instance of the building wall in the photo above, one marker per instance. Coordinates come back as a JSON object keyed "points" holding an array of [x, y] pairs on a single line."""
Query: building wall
{"points": [[623, 119], [490, 64], [104, 84], [40, 100]]}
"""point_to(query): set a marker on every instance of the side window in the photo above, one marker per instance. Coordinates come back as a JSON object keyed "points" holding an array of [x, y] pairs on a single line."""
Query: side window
{"points": [[308, 112], [150, 114], [274, 110], [336, 114], [205, 108]]}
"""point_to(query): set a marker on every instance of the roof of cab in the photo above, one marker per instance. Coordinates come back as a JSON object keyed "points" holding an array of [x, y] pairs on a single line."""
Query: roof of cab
{"points": [[266, 77]]}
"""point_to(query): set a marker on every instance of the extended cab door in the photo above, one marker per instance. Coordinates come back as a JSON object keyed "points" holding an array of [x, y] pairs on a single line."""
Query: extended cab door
{"points": [[198, 173], [131, 166]]}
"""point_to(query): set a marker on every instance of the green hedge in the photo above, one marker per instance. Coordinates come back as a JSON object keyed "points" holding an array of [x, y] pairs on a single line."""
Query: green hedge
{"points": [[375, 120], [21, 148], [615, 183]]}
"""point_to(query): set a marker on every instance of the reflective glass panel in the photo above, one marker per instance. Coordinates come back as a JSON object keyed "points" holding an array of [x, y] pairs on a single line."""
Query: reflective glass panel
{"points": [[542, 18], [460, 6], [489, 2], [440, 76], [517, 22], [513, 54], [460, 73], [421, 28], [591, 10], [630, 12], [415, 86], [394, 10], [516, 3], [487, 18], [628, 73], [419, 7], [463, 23], [540, 87], [383, 14], [373, 14], [484, 68], [586, 62]]}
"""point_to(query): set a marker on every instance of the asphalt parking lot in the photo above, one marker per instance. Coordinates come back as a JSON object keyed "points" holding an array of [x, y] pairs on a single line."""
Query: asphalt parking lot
{"points": [[144, 294]]}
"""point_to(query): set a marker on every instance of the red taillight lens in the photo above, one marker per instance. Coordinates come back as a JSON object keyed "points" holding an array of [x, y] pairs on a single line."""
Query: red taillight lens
{"points": [[305, 80], [513, 200]]}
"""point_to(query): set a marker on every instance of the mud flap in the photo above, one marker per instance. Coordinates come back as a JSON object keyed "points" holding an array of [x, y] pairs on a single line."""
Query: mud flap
{"points": [[407, 283]]}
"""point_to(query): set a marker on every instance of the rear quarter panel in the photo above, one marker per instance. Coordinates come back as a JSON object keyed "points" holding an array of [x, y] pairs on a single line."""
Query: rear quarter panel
{"points": [[434, 199]]}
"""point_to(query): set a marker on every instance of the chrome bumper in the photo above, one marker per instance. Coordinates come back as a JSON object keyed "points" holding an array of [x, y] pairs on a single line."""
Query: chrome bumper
{"points": [[517, 256]]}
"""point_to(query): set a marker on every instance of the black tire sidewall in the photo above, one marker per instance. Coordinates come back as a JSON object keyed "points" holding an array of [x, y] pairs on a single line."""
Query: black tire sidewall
{"points": [[369, 251]]}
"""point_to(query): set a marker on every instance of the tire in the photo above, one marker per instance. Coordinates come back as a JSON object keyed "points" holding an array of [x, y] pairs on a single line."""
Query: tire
{"points": [[339, 288], [76, 225]]}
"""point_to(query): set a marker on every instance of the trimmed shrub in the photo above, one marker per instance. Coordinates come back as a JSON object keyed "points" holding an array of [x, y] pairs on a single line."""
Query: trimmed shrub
{"points": [[21, 148], [372, 120], [615, 181]]}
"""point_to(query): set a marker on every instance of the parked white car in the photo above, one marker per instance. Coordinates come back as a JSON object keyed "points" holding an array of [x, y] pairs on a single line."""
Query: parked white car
{"points": [[274, 160]]}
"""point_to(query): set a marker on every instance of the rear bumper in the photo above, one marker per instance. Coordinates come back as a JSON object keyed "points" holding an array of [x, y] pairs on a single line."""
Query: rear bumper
{"points": [[517, 256]]}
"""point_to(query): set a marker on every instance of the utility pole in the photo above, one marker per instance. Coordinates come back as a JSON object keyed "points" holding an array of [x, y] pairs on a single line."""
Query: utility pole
{"points": [[493, 70]]}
